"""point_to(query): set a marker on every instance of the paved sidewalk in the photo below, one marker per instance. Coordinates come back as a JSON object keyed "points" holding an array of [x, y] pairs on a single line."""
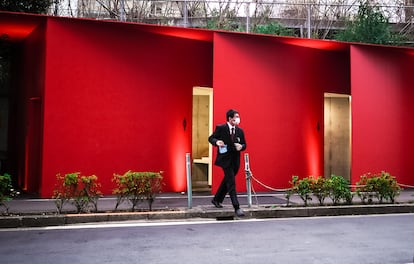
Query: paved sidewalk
{"points": [[163, 201], [25, 212]]}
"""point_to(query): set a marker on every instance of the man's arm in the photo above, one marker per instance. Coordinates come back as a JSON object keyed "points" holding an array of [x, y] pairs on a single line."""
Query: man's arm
{"points": [[215, 138], [242, 142]]}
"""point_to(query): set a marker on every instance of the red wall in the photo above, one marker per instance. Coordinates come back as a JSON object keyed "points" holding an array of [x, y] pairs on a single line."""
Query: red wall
{"points": [[382, 127], [278, 90], [407, 156], [116, 99]]}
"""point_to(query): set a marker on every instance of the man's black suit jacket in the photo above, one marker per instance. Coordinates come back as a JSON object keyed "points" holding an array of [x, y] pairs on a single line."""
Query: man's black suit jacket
{"points": [[232, 156]]}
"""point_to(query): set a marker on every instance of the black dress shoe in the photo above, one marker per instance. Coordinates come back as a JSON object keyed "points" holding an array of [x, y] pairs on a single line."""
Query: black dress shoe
{"points": [[239, 212], [216, 204]]}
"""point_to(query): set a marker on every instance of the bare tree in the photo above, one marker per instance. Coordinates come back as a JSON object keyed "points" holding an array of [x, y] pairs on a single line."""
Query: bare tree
{"points": [[409, 10], [318, 18]]}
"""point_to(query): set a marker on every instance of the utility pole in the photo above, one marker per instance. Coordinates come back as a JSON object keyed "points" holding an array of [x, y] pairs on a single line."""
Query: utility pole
{"points": [[309, 20], [247, 17], [185, 11], [122, 16], [56, 12]]}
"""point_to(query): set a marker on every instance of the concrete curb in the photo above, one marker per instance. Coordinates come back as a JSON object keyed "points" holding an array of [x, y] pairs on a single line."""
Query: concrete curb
{"points": [[202, 212]]}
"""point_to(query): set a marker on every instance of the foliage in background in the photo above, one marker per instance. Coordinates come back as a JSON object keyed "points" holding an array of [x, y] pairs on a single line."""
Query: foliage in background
{"points": [[81, 191], [5, 53], [223, 22], [369, 26], [6, 190], [273, 28], [27, 6], [215, 23], [136, 187], [382, 186]]}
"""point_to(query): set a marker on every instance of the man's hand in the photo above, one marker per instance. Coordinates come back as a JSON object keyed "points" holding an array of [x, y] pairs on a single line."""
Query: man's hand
{"points": [[220, 143], [238, 146]]}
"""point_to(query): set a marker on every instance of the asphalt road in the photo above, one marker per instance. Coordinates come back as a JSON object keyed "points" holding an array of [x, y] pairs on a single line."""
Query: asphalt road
{"points": [[375, 239]]}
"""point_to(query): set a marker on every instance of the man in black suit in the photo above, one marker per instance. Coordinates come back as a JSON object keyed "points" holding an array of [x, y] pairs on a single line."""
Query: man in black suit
{"points": [[229, 139]]}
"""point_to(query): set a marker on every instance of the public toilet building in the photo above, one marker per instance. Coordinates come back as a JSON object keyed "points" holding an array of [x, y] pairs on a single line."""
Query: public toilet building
{"points": [[102, 97]]}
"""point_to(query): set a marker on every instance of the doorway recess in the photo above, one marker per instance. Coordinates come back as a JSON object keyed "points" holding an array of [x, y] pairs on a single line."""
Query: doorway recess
{"points": [[337, 135], [202, 128]]}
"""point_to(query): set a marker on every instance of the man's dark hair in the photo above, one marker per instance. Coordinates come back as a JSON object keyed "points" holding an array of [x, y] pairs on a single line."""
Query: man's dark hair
{"points": [[230, 114]]}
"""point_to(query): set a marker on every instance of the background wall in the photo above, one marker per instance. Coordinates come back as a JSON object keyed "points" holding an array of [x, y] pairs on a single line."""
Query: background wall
{"points": [[119, 99], [278, 90], [382, 131]]}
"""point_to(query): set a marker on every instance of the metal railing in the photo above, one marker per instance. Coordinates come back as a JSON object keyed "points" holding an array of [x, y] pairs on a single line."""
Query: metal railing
{"points": [[310, 15]]}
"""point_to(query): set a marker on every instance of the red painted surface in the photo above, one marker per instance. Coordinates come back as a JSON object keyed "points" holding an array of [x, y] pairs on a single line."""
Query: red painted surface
{"points": [[17, 26], [405, 176], [280, 99], [116, 99], [381, 104]]}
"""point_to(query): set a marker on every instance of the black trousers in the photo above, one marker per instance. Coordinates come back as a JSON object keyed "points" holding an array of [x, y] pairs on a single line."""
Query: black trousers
{"points": [[228, 185]]}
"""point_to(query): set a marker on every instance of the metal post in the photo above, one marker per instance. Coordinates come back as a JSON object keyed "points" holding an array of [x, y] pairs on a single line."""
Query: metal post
{"points": [[185, 11], [56, 12], [247, 17], [189, 187], [122, 11], [248, 180], [309, 20]]}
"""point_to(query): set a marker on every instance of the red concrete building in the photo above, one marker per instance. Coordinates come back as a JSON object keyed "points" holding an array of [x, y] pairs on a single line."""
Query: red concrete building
{"points": [[103, 97]]}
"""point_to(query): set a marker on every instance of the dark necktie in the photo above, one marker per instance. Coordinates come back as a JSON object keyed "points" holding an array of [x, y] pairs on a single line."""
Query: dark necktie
{"points": [[233, 135]]}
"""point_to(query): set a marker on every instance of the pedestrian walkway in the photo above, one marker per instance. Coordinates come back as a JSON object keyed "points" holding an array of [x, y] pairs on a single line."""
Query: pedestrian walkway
{"points": [[175, 201], [164, 201], [43, 212]]}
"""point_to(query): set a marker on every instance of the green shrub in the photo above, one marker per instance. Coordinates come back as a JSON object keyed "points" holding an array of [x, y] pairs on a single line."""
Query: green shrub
{"points": [[365, 190], [339, 190], [6, 190], [82, 191], [137, 186], [290, 191], [382, 186], [303, 188], [336, 187], [320, 188]]}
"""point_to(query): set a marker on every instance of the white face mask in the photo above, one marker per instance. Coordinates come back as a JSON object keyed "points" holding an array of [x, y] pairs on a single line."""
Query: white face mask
{"points": [[237, 120]]}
